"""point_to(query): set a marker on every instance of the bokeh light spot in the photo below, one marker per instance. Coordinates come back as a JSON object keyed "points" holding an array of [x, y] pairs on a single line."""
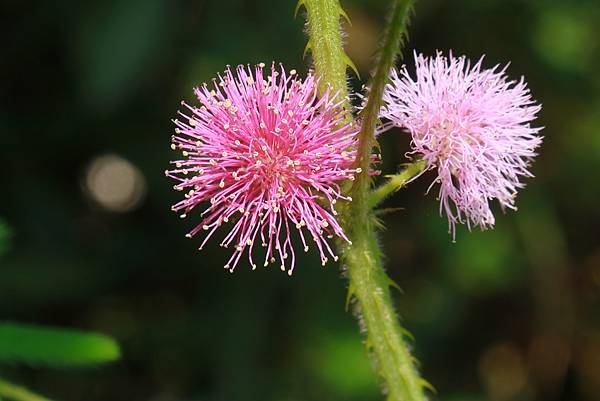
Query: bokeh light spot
{"points": [[114, 183], [503, 371]]}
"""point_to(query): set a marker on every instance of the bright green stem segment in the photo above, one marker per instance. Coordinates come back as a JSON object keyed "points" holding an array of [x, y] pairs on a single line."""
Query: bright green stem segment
{"points": [[368, 280], [325, 43], [9, 391], [396, 182]]}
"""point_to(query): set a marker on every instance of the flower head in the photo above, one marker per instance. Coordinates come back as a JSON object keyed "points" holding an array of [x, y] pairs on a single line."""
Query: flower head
{"points": [[472, 125], [266, 155]]}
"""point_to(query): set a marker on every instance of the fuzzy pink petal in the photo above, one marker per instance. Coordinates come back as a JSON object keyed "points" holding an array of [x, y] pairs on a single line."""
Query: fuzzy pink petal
{"points": [[470, 124], [267, 155]]}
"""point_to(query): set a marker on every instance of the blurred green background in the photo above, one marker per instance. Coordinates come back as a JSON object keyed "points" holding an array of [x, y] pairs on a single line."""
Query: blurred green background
{"points": [[88, 241]]}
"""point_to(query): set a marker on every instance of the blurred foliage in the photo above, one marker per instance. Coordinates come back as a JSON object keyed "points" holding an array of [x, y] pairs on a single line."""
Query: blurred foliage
{"points": [[4, 238], [510, 314], [37, 346], [18, 393], [564, 36]]}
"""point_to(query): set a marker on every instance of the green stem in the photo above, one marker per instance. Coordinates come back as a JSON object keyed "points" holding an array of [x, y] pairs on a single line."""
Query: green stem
{"points": [[368, 281], [370, 285], [325, 43], [17, 393], [396, 182]]}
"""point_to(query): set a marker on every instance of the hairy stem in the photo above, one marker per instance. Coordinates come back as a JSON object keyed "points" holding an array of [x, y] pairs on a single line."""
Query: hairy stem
{"points": [[13, 392], [325, 43], [368, 280], [396, 182]]}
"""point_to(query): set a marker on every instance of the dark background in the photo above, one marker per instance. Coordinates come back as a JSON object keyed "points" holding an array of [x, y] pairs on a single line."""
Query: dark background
{"points": [[87, 91]]}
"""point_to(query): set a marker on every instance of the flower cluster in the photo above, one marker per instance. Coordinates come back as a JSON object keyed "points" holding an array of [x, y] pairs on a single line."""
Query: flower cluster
{"points": [[470, 124], [266, 155]]}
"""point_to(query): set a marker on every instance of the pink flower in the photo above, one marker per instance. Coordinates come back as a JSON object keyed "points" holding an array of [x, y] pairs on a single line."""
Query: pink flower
{"points": [[473, 126], [267, 157]]}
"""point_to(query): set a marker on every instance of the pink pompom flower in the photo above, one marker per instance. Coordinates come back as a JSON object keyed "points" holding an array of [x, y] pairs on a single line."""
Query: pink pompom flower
{"points": [[470, 124], [267, 156]]}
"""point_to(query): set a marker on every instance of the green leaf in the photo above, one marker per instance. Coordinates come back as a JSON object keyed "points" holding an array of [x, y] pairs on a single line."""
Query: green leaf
{"points": [[54, 347]]}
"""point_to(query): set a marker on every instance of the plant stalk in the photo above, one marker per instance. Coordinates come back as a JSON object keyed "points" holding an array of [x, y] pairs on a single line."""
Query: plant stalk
{"points": [[396, 182], [325, 44], [368, 282]]}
